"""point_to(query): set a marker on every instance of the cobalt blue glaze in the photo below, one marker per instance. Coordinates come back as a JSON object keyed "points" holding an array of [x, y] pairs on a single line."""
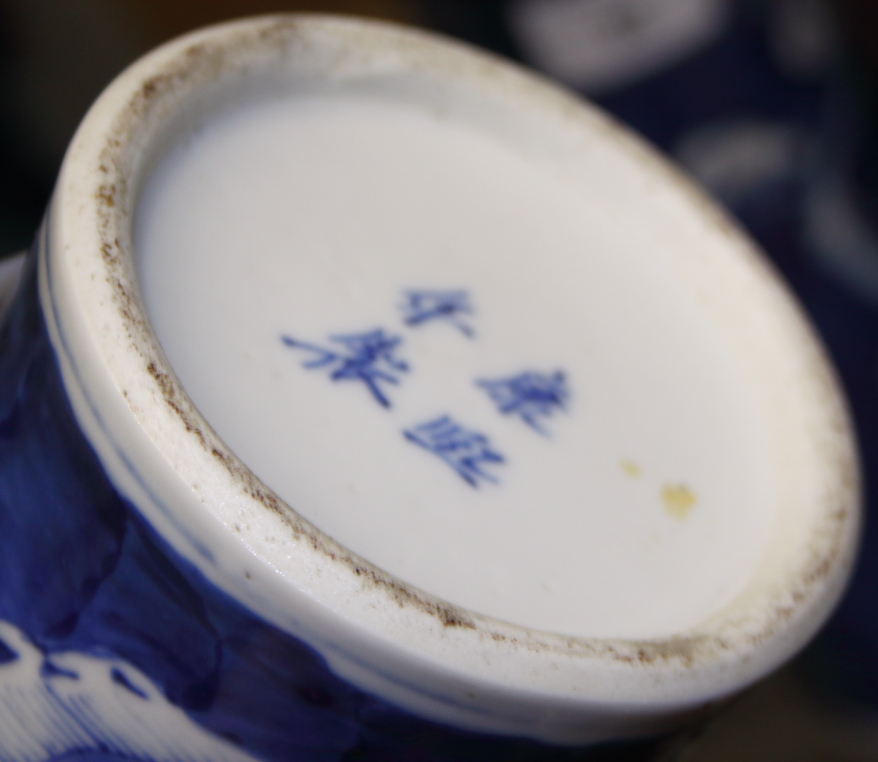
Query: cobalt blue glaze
{"points": [[529, 395], [370, 359], [460, 448], [87, 587], [423, 306]]}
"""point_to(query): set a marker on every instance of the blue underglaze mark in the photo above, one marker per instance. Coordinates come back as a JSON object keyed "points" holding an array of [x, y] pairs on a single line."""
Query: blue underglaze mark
{"points": [[367, 357], [460, 448], [118, 677], [529, 395], [423, 306]]}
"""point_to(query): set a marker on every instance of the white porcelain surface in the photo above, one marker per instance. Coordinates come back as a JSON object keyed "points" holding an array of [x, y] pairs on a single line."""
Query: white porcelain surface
{"points": [[699, 492], [312, 216]]}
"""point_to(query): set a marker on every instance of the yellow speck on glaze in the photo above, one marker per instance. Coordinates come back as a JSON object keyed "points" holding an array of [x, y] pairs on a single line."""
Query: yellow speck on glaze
{"points": [[678, 500], [630, 468]]}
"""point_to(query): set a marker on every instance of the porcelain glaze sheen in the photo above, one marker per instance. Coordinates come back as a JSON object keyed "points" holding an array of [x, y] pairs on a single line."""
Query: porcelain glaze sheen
{"points": [[312, 216], [151, 579], [112, 646]]}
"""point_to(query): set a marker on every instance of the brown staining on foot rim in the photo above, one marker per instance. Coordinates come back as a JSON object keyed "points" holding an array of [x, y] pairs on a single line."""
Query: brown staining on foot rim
{"points": [[206, 60]]}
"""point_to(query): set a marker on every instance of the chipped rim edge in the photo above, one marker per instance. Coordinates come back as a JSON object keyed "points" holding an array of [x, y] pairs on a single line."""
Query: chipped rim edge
{"points": [[383, 635]]}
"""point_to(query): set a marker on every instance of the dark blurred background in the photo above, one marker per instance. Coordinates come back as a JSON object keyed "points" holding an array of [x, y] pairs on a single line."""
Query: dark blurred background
{"points": [[771, 104]]}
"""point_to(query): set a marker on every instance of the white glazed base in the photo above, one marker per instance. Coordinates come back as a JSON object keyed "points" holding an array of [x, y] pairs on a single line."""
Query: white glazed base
{"points": [[432, 657]]}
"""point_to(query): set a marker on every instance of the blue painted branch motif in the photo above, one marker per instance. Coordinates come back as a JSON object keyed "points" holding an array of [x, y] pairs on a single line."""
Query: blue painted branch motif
{"points": [[422, 306], [367, 357], [460, 448], [115, 647], [71, 705], [530, 395]]}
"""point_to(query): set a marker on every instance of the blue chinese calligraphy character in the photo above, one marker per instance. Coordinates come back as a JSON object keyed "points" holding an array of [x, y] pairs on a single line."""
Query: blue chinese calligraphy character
{"points": [[461, 449], [367, 357], [529, 395], [422, 306]]}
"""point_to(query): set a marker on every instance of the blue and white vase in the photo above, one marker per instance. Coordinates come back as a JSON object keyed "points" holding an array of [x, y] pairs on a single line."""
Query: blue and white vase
{"points": [[159, 602]]}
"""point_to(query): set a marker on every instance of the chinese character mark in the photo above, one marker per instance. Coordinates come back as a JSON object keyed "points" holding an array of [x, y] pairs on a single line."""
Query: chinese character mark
{"points": [[423, 306], [529, 395], [465, 451], [367, 357]]}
